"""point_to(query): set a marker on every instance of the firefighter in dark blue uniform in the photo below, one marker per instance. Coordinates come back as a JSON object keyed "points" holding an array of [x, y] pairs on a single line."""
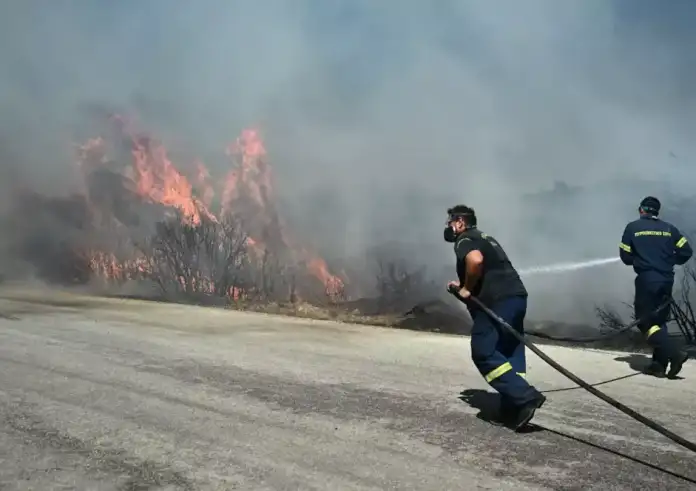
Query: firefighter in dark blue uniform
{"points": [[653, 247], [485, 271]]}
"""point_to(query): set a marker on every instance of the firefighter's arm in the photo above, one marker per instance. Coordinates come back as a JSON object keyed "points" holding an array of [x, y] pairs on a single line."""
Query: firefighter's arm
{"points": [[473, 262], [625, 247], [682, 248], [474, 269]]}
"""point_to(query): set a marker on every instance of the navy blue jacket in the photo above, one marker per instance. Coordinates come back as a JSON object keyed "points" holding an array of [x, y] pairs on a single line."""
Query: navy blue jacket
{"points": [[653, 247]]}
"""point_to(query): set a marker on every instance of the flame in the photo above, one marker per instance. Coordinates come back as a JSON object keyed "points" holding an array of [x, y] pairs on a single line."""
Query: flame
{"points": [[156, 178], [203, 184], [333, 285], [246, 189], [250, 170], [106, 265]]}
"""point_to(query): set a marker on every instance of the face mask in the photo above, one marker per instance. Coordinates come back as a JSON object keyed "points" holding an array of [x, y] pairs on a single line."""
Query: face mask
{"points": [[449, 235]]}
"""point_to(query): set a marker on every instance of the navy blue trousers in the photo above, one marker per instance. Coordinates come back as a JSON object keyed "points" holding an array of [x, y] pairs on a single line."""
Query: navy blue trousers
{"points": [[650, 294], [498, 355]]}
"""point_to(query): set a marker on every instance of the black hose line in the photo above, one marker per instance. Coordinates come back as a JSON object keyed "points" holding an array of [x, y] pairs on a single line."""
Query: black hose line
{"points": [[597, 393], [604, 337]]}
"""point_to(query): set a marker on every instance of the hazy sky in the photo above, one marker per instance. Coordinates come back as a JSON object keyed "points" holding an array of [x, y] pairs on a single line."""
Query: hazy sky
{"points": [[377, 114]]}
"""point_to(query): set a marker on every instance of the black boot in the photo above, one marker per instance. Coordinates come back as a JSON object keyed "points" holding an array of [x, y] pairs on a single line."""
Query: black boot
{"points": [[676, 363], [507, 415], [655, 369], [525, 413]]}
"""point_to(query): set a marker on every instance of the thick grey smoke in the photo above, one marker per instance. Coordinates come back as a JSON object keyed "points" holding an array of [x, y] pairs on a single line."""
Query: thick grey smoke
{"points": [[379, 115]]}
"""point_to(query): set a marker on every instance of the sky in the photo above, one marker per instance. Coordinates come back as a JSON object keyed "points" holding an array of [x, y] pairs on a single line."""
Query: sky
{"points": [[377, 115]]}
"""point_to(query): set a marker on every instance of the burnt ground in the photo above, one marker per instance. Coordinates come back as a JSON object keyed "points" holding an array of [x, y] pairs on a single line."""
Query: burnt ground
{"points": [[130, 395]]}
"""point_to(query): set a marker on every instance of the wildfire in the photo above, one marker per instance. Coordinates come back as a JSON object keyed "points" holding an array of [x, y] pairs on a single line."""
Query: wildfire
{"points": [[246, 190], [317, 266], [157, 179], [250, 173], [107, 265]]}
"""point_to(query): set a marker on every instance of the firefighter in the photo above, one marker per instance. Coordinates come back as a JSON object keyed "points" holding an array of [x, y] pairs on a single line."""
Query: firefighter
{"points": [[653, 247], [485, 271]]}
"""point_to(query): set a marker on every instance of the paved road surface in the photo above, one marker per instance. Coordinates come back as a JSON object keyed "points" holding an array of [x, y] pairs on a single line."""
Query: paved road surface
{"points": [[116, 394]]}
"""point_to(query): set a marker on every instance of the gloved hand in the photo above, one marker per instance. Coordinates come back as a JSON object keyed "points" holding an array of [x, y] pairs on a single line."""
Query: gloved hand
{"points": [[453, 287]]}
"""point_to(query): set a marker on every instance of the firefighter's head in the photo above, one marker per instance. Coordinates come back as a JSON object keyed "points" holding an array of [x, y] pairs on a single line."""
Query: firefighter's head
{"points": [[649, 206], [459, 218]]}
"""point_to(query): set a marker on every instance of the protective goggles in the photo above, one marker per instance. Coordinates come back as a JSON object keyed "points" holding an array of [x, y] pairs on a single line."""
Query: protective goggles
{"points": [[454, 217]]}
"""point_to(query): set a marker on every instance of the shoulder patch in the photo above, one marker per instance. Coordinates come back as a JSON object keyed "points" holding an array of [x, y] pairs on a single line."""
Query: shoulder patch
{"points": [[462, 240]]}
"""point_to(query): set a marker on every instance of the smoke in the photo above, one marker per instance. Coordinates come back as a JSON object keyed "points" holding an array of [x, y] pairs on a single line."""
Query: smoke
{"points": [[377, 117]]}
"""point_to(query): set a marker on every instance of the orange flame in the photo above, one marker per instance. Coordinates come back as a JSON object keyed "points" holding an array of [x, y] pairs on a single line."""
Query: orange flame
{"points": [[156, 179], [333, 285], [251, 171]]}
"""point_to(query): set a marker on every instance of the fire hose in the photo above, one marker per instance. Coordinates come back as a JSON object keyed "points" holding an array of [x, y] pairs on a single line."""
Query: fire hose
{"points": [[592, 390], [604, 337]]}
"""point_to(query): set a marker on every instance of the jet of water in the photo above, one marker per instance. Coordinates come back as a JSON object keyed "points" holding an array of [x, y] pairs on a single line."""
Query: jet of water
{"points": [[565, 267]]}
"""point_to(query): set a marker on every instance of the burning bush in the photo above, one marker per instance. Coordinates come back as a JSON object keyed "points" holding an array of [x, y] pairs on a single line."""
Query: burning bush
{"points": [[213, 258], [209, 257], [142, 218]]}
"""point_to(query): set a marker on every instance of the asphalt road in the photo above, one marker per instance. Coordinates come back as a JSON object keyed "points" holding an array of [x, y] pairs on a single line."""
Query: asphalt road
{"points": [[120, 394]]}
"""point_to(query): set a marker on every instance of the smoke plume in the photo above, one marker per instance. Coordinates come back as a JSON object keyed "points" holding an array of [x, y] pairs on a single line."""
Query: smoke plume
{"points": [[377, 116]]}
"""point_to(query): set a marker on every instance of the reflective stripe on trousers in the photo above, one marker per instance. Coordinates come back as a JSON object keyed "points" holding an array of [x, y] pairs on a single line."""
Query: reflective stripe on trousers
{"points": [[651, 331], [498, 355], [504, 368]]}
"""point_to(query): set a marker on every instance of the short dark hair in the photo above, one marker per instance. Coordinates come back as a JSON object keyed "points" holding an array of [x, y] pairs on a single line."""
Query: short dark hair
{"points": [[466, 212], [650, 205]]}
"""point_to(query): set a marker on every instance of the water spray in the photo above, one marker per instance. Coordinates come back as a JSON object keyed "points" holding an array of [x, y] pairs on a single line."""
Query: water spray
{"points": [[565, 267]]}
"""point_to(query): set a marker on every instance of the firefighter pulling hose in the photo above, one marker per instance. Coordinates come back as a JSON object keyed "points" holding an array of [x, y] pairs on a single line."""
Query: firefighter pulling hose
{"points": [[487, 277], [592, 390], [484, 270]]}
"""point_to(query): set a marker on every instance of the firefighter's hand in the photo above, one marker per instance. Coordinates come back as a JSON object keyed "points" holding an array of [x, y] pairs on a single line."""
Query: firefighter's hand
{"points": [[455, 289]]}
